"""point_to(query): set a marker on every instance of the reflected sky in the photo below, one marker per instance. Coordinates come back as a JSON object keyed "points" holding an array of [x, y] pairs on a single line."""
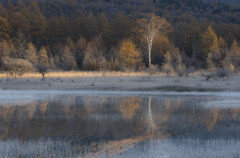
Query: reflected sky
{"points": [[125, 125]]}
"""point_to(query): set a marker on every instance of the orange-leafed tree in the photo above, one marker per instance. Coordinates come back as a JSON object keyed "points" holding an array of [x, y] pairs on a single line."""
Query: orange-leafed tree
{"points": [[130, 55]]}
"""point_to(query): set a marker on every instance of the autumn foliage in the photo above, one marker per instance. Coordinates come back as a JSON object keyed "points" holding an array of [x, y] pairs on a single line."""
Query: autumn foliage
{"points": [[130, 55], [67, 35]]}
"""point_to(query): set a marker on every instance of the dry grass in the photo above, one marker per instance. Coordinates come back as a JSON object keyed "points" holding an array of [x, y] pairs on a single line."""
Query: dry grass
{"points": [[70, 74]]}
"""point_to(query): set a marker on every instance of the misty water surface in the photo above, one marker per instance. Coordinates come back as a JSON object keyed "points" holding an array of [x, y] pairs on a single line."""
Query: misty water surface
{"points": [[119, 124]]}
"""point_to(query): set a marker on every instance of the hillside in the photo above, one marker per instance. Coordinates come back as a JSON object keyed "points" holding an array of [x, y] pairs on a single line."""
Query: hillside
{"points": [[83, 30]]}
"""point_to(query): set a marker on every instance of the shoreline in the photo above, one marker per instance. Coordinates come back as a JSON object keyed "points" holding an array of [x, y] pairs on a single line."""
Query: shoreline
{"points": [[124, 83]]}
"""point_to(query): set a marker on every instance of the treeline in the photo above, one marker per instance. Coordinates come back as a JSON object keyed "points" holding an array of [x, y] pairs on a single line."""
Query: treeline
{"points": [[89, 35]]}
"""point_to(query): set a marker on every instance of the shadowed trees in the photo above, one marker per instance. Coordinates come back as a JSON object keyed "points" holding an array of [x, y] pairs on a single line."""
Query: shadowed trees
{"points": [[68, 60], [4, 28], [43, 62], [167, 65], [94, 55]]}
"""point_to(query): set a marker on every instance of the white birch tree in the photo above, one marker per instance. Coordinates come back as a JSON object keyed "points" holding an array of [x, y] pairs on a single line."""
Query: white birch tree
{"points": [[149, 28]]}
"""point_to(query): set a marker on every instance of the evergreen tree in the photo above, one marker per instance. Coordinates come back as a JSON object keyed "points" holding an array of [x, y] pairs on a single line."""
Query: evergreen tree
{"points": [[235, 55], [68, 60], [209, 39], [43, 62], [93, 56], [43, 57], [20, 43], [31, 53]]}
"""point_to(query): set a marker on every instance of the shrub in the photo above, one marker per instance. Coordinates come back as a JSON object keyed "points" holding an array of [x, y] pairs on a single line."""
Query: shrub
{"points": [[16, 67]]}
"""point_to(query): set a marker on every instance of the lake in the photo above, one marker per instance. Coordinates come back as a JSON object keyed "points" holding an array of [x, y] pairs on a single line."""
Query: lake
{"points": [[119, 124]]}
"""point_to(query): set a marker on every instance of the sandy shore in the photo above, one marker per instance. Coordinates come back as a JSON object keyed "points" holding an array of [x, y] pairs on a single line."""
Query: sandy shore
{"points": [[132, 83]]}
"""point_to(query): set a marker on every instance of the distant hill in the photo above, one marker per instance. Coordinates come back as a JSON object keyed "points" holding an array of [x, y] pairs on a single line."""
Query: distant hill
{"points": [[227, 1], [173, 10], [99, 26]]}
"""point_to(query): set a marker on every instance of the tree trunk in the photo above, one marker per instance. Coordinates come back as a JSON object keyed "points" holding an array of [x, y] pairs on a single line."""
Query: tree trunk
{"points": [[149, 56]]}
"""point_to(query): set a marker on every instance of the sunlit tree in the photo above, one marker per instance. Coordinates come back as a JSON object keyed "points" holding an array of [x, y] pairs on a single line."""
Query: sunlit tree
{"points": [[150, 27], [130, 55]]}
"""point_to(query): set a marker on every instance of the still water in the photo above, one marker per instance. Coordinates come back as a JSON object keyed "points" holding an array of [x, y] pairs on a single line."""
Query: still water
{"points": [[119, 124]]}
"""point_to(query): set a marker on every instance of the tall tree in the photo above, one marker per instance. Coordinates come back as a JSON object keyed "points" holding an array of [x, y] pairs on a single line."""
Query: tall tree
{"points": [[167, 65], [68, 60], [215, 52], [31, 53], [130, 55], [4, 49], [20, 43], [43, 62], [4, 28], [78, 51], [150, 27], [43, 57], [94, 55], [209, 38], [235, 55]]}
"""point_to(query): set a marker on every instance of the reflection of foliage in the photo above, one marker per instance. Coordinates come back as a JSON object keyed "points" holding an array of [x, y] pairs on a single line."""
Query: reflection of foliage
{"points": [[212, 119], [129, 107], [94, 118]]}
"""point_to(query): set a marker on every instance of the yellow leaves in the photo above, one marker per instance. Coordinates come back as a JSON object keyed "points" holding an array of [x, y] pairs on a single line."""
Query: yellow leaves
{"points": [[129, 54], [212, 120], [235, 49], [209, 40]]}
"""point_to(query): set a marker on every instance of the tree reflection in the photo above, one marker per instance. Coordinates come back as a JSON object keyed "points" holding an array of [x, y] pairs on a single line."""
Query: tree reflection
{"points": [[151, 125], [106, 118], [129, 106]]}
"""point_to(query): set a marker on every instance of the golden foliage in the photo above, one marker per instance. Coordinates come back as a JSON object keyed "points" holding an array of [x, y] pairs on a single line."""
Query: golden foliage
{"points": [[209, 39], [129, 54]]}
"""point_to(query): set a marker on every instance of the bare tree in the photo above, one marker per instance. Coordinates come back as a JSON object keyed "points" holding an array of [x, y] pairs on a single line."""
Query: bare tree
{"points": [[149, 28]]}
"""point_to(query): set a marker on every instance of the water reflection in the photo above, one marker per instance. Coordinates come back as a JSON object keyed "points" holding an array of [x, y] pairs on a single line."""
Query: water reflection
{"points": [[120, 126]]}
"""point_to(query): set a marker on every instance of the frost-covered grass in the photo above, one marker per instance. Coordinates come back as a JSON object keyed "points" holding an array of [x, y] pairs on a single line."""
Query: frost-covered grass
{"points": [[170, 148], [186, 148]]}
